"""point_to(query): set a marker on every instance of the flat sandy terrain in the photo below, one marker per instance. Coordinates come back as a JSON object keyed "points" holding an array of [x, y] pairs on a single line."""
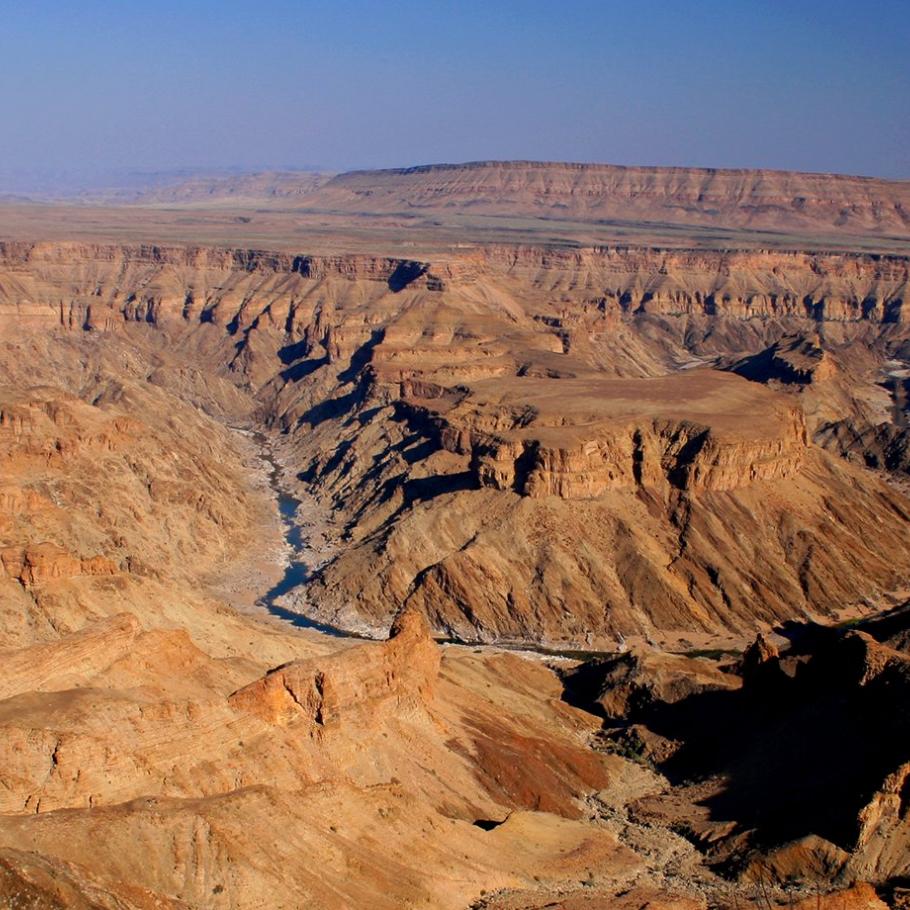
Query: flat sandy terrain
{"points": [[416, 235]]}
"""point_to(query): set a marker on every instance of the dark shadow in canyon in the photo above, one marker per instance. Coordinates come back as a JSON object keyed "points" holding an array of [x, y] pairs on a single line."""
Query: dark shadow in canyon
{"points": [[404, 274], [800, 749], [360, 358], [303, 368]]}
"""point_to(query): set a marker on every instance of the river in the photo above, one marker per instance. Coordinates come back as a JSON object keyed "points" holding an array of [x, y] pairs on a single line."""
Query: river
{"points": [[298, 572]]}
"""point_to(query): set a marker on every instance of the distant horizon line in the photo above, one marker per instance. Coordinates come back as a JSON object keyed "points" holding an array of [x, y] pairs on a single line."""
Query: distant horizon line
{"points": [[105, 179]]}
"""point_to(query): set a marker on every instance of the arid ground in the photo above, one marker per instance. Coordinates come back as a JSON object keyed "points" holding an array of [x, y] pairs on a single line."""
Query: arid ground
{"points": [[505, 535]]}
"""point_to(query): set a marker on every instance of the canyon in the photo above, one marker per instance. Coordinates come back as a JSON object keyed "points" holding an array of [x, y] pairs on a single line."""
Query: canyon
{"points": [[590, 514]]}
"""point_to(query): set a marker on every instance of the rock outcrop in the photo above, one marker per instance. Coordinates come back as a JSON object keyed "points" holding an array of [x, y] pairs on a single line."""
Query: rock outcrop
{"points": [[36, 563], [627, 687], [798, 360], [799, 768], [353, 686], [579, 438]]}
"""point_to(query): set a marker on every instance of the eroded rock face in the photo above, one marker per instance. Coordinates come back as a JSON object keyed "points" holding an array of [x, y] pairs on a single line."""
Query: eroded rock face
{"points": [[858, 897], [137, 702], [33, 564], [421, 396], [578, 439], [83, 285], [105, 498], [756, 198], [794, 360], [353, 686], [629, 686]]}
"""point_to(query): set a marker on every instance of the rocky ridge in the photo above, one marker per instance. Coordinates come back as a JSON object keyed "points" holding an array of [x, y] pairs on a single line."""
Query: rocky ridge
{"points": [[761, 198], [723, 729]]}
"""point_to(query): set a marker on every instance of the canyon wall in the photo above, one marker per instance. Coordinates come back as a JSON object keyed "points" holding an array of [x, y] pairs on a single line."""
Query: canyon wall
{"points": [[512, 439], [61, 282], [579, 446]]}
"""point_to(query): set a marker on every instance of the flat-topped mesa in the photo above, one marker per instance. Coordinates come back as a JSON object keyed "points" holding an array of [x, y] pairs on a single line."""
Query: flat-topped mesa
{"points": [[577, 439], [755, 198], [357, 684]]}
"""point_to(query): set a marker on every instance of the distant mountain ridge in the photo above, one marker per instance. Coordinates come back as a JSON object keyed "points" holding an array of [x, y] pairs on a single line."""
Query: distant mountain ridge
{"points": [[730, 198], [517, 163], [261, 185], [777, 200]]}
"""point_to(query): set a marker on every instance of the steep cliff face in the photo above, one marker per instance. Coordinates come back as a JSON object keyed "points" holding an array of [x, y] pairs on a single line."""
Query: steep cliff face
{"points": [[746, 284], [79, 285], [578, 439], [354, 687], [674, 568]]}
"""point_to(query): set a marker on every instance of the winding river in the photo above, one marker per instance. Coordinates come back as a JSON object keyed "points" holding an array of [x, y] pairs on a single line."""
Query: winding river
{"points": [[297, 572]]}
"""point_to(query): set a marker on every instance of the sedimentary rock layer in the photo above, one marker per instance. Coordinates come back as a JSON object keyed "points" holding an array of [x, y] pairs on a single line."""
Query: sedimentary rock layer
{"points": [[510, 448], [756, 198], [148, 282]]}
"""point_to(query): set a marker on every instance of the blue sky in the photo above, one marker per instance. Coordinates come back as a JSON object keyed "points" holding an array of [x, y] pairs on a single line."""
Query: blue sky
{"points": [[97, 87]]}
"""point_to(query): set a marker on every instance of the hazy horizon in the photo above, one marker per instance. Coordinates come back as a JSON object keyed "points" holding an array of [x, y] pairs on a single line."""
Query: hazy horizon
{"points": [[110, 92]]}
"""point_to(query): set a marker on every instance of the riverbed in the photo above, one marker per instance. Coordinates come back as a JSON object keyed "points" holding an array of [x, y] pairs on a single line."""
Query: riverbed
{"points": [[299, 555]]}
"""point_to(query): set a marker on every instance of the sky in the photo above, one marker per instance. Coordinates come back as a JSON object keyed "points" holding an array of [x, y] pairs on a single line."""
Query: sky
{"points": [[96, 88]]}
